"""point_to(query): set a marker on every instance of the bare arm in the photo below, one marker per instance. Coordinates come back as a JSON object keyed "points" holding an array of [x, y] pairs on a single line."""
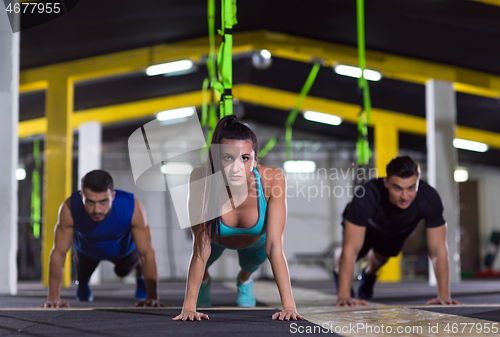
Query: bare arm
{"points": [[141, 234], [438, 253], [201, 252], [354, 237], [276, 220], [199, 258], [63, 234]]}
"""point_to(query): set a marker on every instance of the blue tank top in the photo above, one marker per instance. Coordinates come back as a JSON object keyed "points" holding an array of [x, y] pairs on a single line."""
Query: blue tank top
{"points": [[110, 239], [260, 227]]}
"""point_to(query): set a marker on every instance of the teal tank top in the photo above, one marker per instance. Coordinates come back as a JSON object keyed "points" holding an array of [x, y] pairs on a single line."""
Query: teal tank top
{"points": [[260, 227]]}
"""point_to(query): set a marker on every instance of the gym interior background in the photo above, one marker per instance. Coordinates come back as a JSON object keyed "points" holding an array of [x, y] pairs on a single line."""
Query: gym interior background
{"points": [[409, 42]]}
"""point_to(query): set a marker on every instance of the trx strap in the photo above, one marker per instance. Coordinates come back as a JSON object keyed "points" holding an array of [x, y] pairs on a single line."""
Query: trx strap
{"points": [[292, 116], [220, 83], [35, 191], [224, 60], [362, 146]]}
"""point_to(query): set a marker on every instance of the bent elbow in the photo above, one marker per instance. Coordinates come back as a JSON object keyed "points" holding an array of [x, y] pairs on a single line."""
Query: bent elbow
{"points": [[272, 249]]}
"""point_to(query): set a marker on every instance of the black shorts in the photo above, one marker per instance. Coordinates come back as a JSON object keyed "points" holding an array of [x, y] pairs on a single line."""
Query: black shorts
{"points": [[85, 266], [384, 245]]}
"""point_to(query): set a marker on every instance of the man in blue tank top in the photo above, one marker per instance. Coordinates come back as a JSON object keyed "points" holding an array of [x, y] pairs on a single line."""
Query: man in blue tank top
{"points": [[382, 215], [103, 224]]}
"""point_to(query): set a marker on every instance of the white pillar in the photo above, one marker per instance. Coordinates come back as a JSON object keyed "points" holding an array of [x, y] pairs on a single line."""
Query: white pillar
{"points": [[9, 98], [89, 158], [441, 124]]}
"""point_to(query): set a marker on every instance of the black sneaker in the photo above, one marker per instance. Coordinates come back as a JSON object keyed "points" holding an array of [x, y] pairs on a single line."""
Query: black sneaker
{"points": [[336, 278], [83, 292], [366, 285]]}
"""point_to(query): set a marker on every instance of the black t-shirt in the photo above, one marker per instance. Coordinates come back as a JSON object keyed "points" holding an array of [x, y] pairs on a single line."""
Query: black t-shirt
{"points": [[373, 210]]}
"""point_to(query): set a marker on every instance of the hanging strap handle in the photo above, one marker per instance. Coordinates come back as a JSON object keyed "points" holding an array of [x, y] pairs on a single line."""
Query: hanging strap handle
{"points": [[35, 192]]}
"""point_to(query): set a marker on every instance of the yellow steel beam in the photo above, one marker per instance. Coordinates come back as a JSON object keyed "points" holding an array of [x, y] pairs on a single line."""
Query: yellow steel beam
{"points": [[268, 97], [134, 110], [36, 126], [482, 136], [281, 45], [490, 2], [392, 66], [33, 86], [58, 164], [386, 139], [386, 147]]}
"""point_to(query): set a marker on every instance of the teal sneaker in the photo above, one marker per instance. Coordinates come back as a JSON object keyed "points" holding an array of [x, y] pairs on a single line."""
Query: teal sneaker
{"points": [[140, 290], [204, 295], [83, 292], [246, 298]]}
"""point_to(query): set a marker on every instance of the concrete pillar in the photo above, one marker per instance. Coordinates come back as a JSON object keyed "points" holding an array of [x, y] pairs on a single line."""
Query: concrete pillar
{"points": [[89, 158], [9, 98], [441, 118]]}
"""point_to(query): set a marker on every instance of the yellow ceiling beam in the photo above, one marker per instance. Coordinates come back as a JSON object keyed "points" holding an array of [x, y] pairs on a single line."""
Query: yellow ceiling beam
{"points": [[116, 113], [139, 109], [33, 86], [280, 45], [31, 127], [490, 2], [267, 97], [285, 100], [392, 66]]}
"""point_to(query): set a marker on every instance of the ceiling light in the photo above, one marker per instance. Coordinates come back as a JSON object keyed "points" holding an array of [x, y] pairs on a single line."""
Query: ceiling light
{"points": [[176, 67], [262, 59], [175, 113], [322, 118], [350, 71], [20, 174], [461, 175], [469, 145], [176, 168], [265, 54], [299, 166]]}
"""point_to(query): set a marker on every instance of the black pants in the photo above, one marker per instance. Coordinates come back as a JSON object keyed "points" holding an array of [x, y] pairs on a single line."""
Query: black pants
{"points": [[85, 266], [384, 245]]}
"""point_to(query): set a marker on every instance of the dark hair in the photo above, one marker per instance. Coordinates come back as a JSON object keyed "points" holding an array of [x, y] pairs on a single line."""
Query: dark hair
{"points": [[97, 181], [403, 167], [228, 127]]}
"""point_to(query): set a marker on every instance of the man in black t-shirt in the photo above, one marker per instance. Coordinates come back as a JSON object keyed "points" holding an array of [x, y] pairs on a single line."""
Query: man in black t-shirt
{"points": [[381, 216]]}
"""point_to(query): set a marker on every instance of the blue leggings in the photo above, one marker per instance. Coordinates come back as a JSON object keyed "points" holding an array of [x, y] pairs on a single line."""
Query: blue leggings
{"points": [[250, 258]]}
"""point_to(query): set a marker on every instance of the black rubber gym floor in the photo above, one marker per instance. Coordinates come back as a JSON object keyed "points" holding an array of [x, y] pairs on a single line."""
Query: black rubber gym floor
{"points": [[112, 312], [141, 322]]}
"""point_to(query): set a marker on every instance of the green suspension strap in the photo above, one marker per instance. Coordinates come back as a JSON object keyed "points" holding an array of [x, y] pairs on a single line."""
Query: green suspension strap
{"points": [[292, 116], [35, 191], [224, 61], [362, 146], [208, 109], [212, 67]]}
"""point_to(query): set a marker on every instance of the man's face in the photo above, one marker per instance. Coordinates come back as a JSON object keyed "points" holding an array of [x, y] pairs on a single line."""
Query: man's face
{"points": [[97, 204], [402, 191]]}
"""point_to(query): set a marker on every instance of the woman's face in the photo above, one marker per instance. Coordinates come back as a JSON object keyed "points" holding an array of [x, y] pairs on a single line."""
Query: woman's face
{"points": [[238, 160]]}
